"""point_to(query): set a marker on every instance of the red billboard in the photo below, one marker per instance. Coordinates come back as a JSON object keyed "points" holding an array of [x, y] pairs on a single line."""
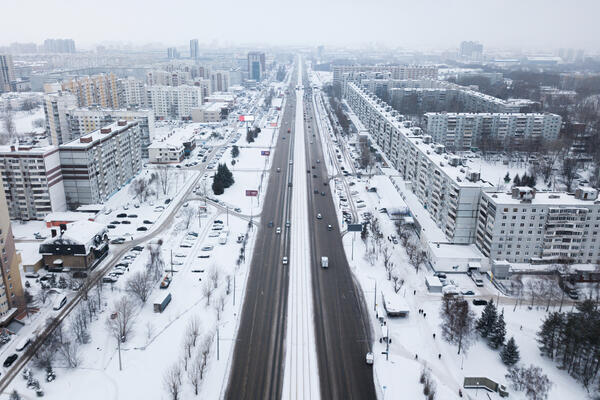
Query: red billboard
{"points": [[251, 193], [265, 153]]}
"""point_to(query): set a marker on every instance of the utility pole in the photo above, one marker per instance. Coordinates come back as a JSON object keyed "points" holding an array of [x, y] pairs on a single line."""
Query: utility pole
{"points": [[375, 298], [119, 346], [234, 288], [217, 343]]}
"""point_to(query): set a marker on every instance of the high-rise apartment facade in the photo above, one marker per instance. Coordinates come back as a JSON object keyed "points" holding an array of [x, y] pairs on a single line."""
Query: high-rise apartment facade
{"points": [[56, 106], [461, 131], [101, 90], [174, 102], [59, 46], [33, 182], [98, 164], [7, 72], [219, 81], [256, 65], [11, 290], [194, 49]]}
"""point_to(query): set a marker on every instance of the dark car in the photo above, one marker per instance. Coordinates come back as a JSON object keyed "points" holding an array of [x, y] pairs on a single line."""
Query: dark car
{"points": [[167, 201], [122, 215], [118, 241], [115, 222], [138, 248], [322, 193], [132, 216], [110, 226], [325, 183], [316, 191], [479, 302], [10, 360], [142, 228], [314, 175], [126, 222], [148, 222]]}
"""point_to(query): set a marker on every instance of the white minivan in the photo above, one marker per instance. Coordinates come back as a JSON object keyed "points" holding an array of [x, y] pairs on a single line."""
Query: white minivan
{"points": [[23, 343]]}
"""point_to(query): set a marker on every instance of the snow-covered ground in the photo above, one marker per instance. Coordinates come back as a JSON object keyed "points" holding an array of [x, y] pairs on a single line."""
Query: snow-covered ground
{"points": [[24, 121]]}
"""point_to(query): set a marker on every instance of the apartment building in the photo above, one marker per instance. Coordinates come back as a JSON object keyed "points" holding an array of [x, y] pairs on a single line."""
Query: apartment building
{"points": [[33, 182], [55, 109], [168, 78], [86, 120], [545, 227], [194, 49], [448, 190], [98, 164], [7, 72], [101, 90], [402, 72], [461, 131], [11, 290], [219, 81], [132, 93], [256, 65], [174, 102]]}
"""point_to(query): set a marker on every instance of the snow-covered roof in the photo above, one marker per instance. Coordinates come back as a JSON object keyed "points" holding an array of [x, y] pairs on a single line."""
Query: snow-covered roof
{"points": [[541, 199], [69, 216], [79, 233]]}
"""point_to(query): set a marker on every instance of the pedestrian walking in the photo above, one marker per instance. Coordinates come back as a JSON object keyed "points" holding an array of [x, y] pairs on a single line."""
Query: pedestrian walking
{"points": [[414, 292], [416, 356], [439, 356], [434, 335], [424, 315]]}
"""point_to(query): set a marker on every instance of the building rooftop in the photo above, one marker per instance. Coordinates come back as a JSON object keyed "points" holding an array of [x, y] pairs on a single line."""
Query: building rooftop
{"points": [[26, 150], [541, 198], [78, 233], [99, 135]]}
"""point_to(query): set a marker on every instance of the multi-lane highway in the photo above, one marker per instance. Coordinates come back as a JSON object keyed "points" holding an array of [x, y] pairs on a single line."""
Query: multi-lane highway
{"points": [[257, 368], [339, 333], [341, 320]]}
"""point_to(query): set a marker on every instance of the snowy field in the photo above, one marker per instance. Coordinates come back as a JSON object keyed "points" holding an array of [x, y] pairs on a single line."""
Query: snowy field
{"points": [[24, 121]]}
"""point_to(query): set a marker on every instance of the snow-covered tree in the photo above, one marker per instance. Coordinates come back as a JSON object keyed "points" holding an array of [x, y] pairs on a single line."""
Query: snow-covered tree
{"points": [[510, 353], [498, 333], [486, 322]]}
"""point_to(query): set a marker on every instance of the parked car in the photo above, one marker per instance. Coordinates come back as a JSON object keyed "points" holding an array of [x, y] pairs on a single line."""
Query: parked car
{"points": [[122, 215], [118, 241], [10, 360], [142, 228], [479, 302]]}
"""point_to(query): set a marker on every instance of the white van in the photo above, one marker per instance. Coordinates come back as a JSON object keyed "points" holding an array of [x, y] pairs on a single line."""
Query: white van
{"points": [[60, 302], [23, 343]]}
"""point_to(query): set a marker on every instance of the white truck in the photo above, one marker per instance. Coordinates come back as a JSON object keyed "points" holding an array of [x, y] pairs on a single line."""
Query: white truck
{"points": [[324, 262]]}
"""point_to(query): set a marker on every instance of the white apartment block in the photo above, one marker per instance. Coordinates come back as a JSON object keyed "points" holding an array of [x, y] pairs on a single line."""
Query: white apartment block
{"points": [[168, 78], [395, 71], [98, 164], [55, 110], [132, 92], [448, 191], [33, 181], [166, 151], [174, 102], [219, 81], [86, 120], [461, 131], [543, 227]]}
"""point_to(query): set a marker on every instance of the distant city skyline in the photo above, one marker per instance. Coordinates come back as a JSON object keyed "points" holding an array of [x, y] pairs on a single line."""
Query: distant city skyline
{"points": [[426, 24]]}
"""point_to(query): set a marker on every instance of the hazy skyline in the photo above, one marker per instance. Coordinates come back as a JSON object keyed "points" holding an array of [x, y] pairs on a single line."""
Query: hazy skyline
{"points": [[423, 24]]}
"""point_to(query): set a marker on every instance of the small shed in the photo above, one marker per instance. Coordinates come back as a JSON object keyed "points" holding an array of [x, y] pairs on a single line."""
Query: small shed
{"points": [[434, 285], [500, 269]]}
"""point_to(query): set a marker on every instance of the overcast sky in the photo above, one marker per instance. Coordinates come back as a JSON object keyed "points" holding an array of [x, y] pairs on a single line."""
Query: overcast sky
{"points": [[412, 24]]}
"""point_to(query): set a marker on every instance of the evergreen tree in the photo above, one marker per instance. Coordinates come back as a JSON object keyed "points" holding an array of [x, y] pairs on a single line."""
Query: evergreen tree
{"points": [[517, 180], [510, 353], [525, 180], [498, 333], [249, 136], [486, 322], [235, 151], [507, 178], [549, 335], [217, 186], [225, 175]]}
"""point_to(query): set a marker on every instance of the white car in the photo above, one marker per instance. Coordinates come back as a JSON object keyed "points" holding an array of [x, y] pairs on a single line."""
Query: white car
{"points": [[278, 230], [319, 216], [284, 261]]}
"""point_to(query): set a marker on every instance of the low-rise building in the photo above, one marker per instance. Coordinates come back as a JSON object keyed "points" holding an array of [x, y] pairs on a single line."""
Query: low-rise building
{"points": [[78, 246], [32, 180], [172, 148], [210, 112], [98, 164]]}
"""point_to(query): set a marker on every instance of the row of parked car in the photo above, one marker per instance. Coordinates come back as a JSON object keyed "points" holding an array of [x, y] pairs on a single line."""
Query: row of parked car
{"points": [[123, 266]]}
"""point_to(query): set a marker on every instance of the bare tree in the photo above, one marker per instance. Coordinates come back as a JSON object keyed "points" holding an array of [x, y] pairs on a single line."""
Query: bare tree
{"points": [[140, 285], [568, 172], [172, 381], [164, 175], [214, 276], [228, 281], [187, 215], [457, 321], [9, 125], [530, 379], [397, 280], [120, 322], [79, 324], [207, 291], [156, 265], [69, 350], [141, 189], [194, 327], [387, 253], [42, 295], [205, 347], [194, 373], [535, 288]]}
